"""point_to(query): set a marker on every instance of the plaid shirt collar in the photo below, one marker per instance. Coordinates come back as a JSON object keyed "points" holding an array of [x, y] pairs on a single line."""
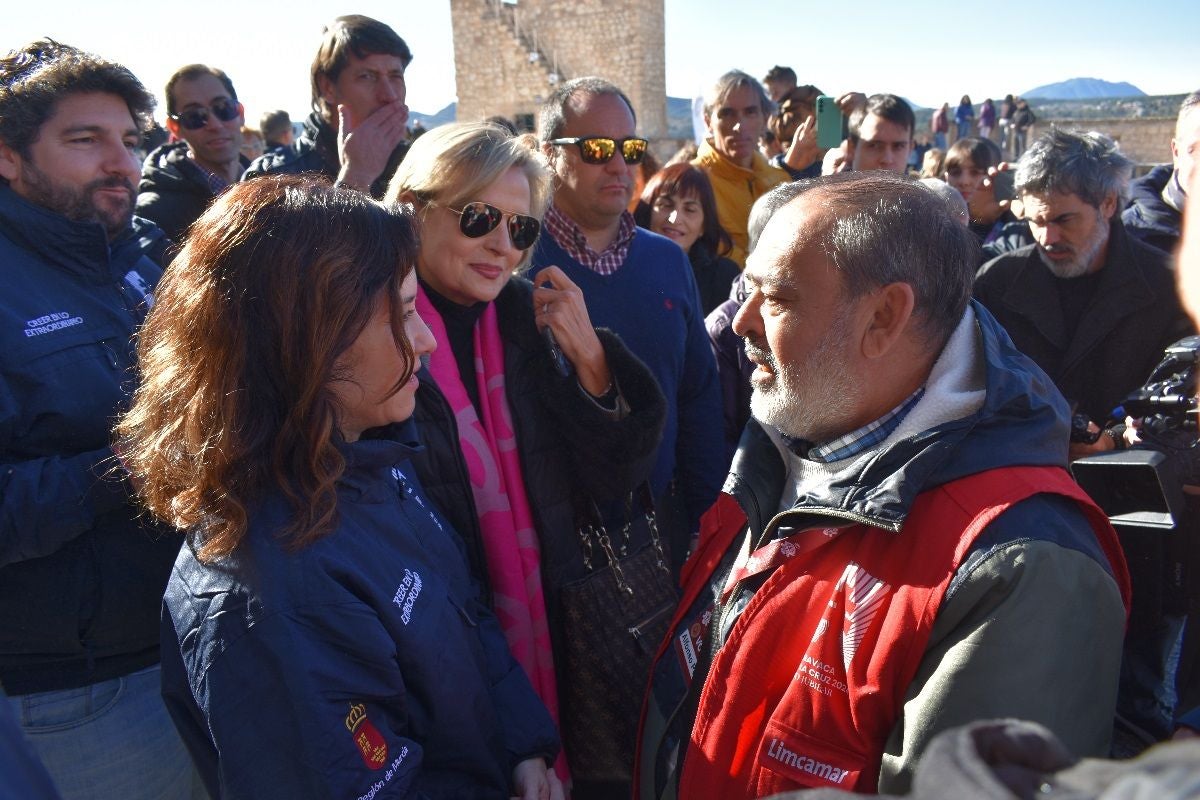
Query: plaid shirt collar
{"points": [[215, 182], [858, 441], [570, 237]]}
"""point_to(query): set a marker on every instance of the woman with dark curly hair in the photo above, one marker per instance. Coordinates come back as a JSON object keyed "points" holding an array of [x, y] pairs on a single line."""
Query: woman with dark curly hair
{"points": [[678, 203], [321, 634]]}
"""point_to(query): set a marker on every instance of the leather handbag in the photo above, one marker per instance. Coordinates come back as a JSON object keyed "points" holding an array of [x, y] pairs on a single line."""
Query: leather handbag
{"points": [[614, 619]]}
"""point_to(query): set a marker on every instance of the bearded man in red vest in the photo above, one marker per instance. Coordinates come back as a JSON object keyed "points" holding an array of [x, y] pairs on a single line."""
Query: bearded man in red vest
{"points": [[898, 548]]}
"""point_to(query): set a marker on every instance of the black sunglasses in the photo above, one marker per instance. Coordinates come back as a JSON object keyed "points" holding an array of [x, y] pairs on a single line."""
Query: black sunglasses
{"points": [[601, 149], [194, 119], [479, 219]]}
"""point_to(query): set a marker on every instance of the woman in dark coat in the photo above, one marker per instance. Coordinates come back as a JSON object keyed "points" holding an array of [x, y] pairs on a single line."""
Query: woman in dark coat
{"points": [[529, 414], [678, 203]]}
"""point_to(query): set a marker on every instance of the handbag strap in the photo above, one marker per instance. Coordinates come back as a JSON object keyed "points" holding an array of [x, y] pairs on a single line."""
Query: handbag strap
{"points": [[589, 525]]}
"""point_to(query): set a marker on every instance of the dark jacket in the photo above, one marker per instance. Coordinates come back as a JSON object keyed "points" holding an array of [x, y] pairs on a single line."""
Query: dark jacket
{"points": [[570, 448], [361, 665], [82, 569], [174, 191], [714, 275], [1134, 315], [1150, 218], [316, 150], [733, 368], [1007, 234]]}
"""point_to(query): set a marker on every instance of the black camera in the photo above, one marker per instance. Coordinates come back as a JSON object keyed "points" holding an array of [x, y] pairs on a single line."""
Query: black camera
{"points": [[1141, 489]]}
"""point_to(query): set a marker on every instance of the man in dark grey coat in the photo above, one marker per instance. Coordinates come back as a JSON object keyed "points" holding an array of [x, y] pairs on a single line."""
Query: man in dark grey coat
{"points": [[1091, 305]]}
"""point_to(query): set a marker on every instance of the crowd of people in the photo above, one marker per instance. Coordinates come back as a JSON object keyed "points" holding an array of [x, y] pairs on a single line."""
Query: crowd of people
{"points": [[480, 464]]}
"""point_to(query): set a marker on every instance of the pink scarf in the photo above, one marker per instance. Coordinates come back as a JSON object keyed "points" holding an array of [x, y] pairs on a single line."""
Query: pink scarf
{"points": [[510, 543]]}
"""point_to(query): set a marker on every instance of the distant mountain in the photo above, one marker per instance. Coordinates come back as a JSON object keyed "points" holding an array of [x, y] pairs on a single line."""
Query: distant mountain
{"points": [[433, 120], [1083, 89]]}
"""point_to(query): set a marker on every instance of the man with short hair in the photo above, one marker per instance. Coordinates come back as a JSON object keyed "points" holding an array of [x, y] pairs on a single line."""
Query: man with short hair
{"points": [[1093, 306], [898, 549], [181, 178], [639, 285], [880, 134], [276, 127], [735, 114], [356, 133], [778, 82], [635, 282], [1157, 198], [82, 568]]}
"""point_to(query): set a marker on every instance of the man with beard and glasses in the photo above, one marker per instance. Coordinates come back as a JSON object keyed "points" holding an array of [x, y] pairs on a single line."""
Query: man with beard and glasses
{"points": [[1090, 304], [898, 548], [82, 570]]}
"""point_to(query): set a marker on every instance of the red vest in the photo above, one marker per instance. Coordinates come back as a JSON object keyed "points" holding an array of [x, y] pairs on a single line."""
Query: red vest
{"points": [[812, 677]]}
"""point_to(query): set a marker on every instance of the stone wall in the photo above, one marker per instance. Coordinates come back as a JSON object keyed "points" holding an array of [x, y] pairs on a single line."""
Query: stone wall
{"points": [[621, 40], [1145, 140]]}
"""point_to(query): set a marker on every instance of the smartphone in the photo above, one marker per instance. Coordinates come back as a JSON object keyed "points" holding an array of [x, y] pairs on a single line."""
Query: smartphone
{"points": [[561, 365], [832, 125], [1003, 185]]}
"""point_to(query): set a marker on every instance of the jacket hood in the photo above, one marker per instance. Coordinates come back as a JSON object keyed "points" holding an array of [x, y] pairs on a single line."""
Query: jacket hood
{"points": [[1023, 421], [168, 169]]}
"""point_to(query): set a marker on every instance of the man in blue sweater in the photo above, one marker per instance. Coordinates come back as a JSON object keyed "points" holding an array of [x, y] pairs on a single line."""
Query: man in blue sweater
{"points": [[636, 283]]}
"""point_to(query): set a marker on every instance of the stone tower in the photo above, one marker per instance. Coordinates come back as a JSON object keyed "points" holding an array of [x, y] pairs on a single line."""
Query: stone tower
{"points": [[509, 54]]}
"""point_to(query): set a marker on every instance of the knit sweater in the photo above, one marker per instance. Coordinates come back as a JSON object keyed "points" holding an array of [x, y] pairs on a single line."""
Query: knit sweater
{"points": [[651, 302]]}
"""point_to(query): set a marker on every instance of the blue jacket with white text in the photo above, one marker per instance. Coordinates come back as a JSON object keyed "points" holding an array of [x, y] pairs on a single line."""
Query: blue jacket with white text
{"points": [[360, 666]]}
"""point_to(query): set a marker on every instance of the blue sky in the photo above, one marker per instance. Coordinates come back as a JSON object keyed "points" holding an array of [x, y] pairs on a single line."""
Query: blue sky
{"points": [[927, 51]]}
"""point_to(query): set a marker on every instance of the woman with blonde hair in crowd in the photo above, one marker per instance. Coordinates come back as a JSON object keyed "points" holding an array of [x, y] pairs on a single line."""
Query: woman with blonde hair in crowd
{"points": [[322, 636], [529, 414]]}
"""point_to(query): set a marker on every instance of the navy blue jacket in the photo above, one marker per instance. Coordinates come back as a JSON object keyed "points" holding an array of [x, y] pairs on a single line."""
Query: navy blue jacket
{"points": [[360, 665], [81, 568], [1148, 217]]}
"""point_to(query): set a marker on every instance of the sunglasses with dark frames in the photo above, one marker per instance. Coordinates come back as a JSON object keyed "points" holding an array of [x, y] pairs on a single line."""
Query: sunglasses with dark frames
{"points": [[601, 149], [194, 119], [479, 219]]}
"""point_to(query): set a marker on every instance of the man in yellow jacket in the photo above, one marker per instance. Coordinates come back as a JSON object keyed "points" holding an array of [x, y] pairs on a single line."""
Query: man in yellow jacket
{"points": [[735, 113]]}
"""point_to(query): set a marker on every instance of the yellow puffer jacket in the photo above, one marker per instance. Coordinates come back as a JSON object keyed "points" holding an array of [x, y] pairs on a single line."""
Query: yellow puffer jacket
{"points": [[736, 188]]}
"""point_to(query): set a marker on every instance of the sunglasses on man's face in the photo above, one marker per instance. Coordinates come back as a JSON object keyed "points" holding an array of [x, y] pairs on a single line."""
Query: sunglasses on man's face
{"points": [[479, 219], [601, 149], [194, 119]]}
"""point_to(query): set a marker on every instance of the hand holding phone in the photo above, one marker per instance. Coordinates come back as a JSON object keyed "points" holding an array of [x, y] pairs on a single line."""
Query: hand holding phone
{"points": [[1003, 184], [832, 125], [561, 365]]}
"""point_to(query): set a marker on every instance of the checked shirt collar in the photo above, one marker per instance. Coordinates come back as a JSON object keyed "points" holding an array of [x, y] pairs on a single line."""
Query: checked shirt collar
{"points": [[569, 237]]}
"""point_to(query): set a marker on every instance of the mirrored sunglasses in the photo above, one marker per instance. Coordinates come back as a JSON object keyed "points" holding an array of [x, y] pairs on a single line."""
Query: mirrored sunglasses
{"points": [[479, 219], [194, 119], [601, 149]]}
